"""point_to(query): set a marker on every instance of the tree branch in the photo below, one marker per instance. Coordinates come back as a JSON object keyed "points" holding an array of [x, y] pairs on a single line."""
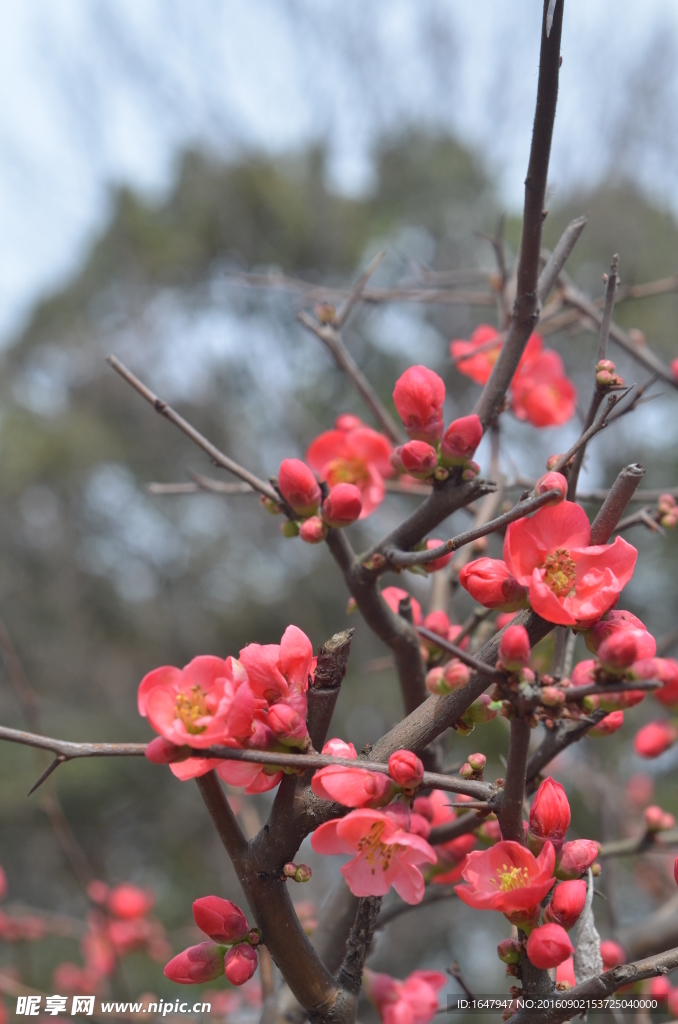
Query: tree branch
{"points": [[559, 257], [463, 656], [323, 692], [510, 810], [169, 413], [359, 942], [590, 432], [614, 506], [526, 307]]}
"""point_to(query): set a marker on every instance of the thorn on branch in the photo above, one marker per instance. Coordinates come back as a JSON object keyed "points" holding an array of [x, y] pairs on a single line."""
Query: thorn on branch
{"points": [[51, 767]]}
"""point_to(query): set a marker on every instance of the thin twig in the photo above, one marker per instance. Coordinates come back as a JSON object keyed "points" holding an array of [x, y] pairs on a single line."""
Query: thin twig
{"points": [[577, 693], [357, 290], [560, 255], [169, 413], [591, 431], [480, 667]]}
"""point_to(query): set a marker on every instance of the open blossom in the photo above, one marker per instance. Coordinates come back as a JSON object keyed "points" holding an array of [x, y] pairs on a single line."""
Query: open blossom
{"points": [[549, 816], [419, 395], [207, 702], [542, 394], [570, 582], [476, 357], [412, 1001], [385, 854], [507, 877], [352, 787], [358, 455], [394, 595], [490, 583]]}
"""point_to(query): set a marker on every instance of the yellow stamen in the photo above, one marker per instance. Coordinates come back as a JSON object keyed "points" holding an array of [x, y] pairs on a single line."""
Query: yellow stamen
{"points": [[512, 878], [347, 471], [189, 708], [374, 849], [561, 572]]}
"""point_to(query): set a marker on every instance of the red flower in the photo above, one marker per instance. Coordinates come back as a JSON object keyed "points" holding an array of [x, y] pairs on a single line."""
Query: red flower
{"points": [[612, 953], [299, 487], [129, 901], [352, 787], [608, 725], [490, 583], [549, 815], [222, 920], [570, 582], [666, 670], [385, 854], [359, 456], [460, 440], [207, 702], [405, 769], [394, 595], [552, 482], [419, 459], [619, 621], [342, 506], [419, 395], [654, 739], [482, 354], [567, 903], [240, 963], [541, 393], [412, 1001], [196, 964], [618, 651], [507, 877], [549, 946], [313, 530], [514, 649]]}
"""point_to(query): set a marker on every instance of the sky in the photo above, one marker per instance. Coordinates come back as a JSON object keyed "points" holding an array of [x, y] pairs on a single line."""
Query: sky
{"points": [[95, 95]]}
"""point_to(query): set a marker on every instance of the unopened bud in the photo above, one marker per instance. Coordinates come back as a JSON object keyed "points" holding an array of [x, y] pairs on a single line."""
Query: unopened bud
{"points": [[460, 440], [514, 649], [618, 651], [552, 482], [481, 711], [596, 869], [658, 820], [240, 963], [477, 762], [271, 506], [313, 530], [299, 487], [303, 873], [325, 313], [254, 937], [605, 364], [552, 697], [342, 506], [290, 870], [508, 951], [471, 470], [466, 771], [419, 459], [405, 769], [441, 473], [456, 674], [289, 528]]}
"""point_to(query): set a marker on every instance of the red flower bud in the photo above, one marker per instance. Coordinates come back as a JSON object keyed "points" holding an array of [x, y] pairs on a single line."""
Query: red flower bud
{"points": [[618, 651], [567, 903], [549, 816], [608, 725], [658, 820], [303, 873], [552, 482], [419, 396], [456, 674], [612, 954], [419, 459], [514, 649], [128, 901], [666, 670], [342, 506], [477, 762], [222, 920], [549, 946], [575, 858], [161, 751], [619, 621], [654, 739], [437, 563], [460, 440], [659, 988], [196, 965], [405, 769], [313, 530], [240, 963], [490, 583], [287, 724], [508, 951], [299, 486]]}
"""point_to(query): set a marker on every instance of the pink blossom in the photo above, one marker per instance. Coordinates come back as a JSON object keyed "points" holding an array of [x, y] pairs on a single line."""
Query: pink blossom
{"points": [[412, 1001], [394, 595], [385, 854], [570, 582], [358, 455]]}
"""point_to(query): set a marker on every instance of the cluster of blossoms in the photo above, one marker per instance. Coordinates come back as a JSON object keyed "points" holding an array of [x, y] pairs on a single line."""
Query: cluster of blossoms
{"points": [[256, 702], [412, 1001], [540, 391], [515, 879], [231, 951]]}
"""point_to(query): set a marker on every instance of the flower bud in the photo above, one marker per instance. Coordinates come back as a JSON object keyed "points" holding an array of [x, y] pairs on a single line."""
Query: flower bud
{"points": [[437, 563], [612, 954], [659, 988], [313, 530], [419, 459], [240, 963], [395, 460], [289, 529], [342, 506], [666, 670], [289, 870], [254, 937], [566, 903], [437, 622], [607, 725], [460, 440], [303, 873], [490, 583], [654, 739], [508, 951], [514, 649], [271, 506], [477, 762], [526, 920], [616, 621], [338, 748], [299, 487], [196, 965], [549, 946], [287, 724], [222, 920], [549, 816], [466, 772], [480, 712], [552, 461], [552, 697], [575, 858], [552, 482], [658, 820], [161, 751], [347, 421], [419, 395], [129, 901], [405, 769], [456, 674], [471, 470], [618, 651]]}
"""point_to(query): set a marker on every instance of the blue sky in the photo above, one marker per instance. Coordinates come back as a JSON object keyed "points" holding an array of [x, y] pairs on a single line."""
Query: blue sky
{"points": [[96, 94]]}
